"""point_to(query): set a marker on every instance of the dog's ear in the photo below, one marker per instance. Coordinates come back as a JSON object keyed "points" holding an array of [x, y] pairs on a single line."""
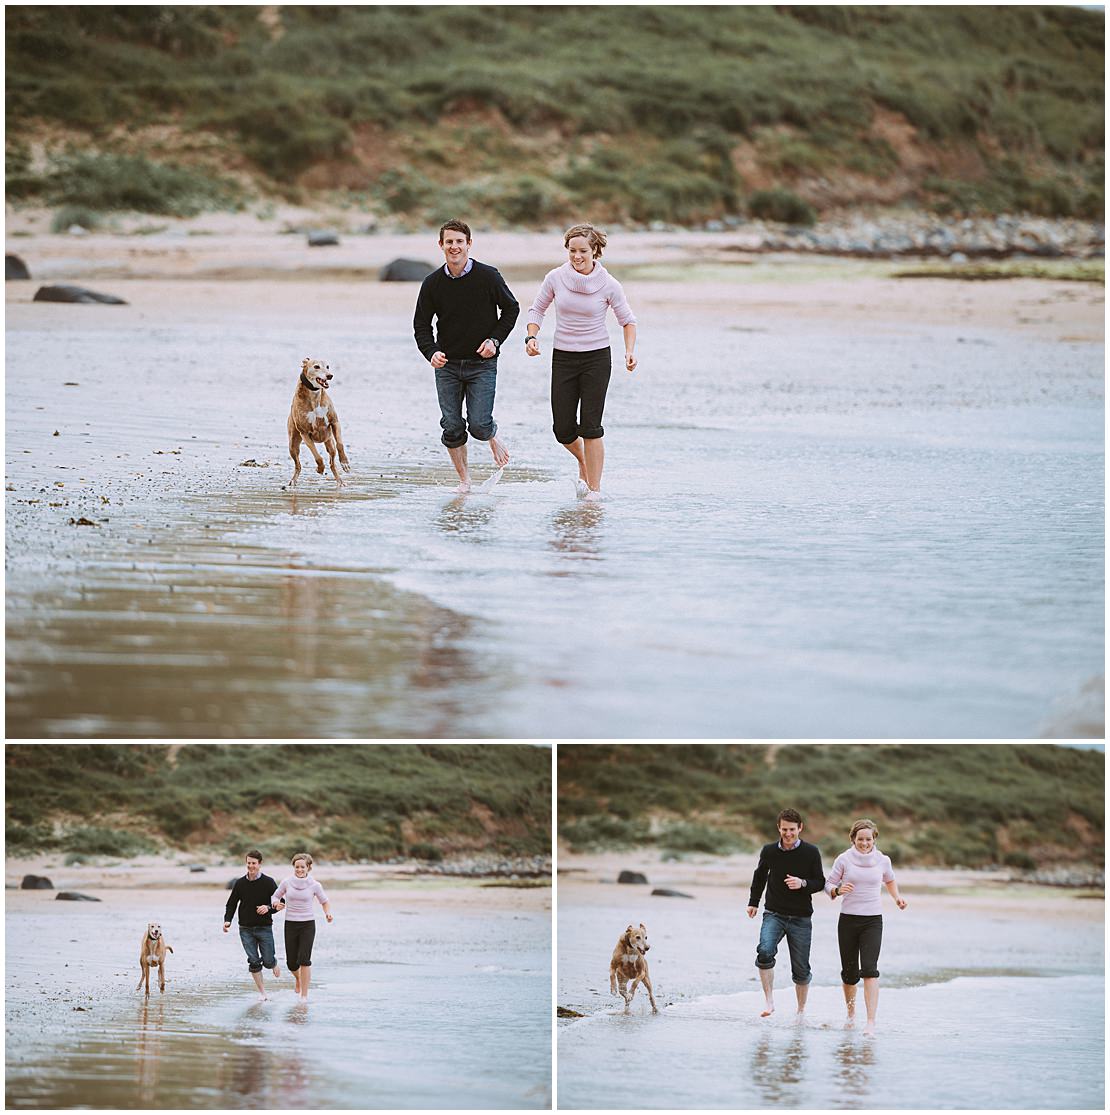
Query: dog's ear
{"points": [[305, 363], [628, 930], [643, 927]]}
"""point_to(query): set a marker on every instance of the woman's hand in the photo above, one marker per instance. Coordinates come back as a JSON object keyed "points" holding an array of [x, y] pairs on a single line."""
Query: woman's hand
{"points": [[900, 902], [846, 888], [630, 361], [329, 917], [532, 346]]}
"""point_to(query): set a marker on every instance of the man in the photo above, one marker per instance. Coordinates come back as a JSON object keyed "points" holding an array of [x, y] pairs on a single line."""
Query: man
{"points": [[465, 297], [791, 870], [252, 893]]}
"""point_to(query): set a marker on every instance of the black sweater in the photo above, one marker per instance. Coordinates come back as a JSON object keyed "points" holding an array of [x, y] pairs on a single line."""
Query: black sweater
{"points": [[247, 895], [465, 310], [804, 861]]}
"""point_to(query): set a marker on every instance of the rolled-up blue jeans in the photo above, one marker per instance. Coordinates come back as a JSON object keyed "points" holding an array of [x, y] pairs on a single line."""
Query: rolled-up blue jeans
{"points": [[472, 381], [798, 932], [258, 944]]}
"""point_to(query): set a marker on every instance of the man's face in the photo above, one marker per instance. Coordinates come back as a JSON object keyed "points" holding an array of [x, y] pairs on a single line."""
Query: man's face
{"points": [[790, 831], [253, 866], [456, 247]]}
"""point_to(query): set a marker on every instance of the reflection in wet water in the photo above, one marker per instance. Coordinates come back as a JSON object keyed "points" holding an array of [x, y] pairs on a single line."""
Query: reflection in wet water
{"points": [[778, 1065], [576, 533], [856, 1057], [213, 638]]}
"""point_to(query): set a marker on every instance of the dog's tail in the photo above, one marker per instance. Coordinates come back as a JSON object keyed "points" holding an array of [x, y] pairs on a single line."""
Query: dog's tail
{"points": [[169, 948]]}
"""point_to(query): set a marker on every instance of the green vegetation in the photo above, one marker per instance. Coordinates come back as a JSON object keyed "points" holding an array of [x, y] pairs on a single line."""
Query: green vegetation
{"points": [[525, 115], [1088, 271], [946, 804], [345, 802]]}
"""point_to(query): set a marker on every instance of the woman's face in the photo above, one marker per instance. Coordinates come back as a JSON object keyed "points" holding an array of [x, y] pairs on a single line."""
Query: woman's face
{"points": [[300, 869], [581, 255], [864, 840]]}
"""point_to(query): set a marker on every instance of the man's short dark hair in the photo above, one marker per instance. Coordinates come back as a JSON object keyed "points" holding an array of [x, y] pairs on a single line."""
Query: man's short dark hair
{"points": [[458, 226], [254, 855], [791, 815]]}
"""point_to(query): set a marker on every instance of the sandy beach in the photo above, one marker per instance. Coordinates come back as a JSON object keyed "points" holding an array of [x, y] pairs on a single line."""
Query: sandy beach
{"points": [[991, 997], [904, 474], [408, 972]]}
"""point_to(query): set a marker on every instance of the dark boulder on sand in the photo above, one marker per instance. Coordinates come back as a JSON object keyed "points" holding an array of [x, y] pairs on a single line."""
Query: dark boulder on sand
{"points": [[15, 268], [323, 238], [63, 292], [74, 896], [36, 882], [406, 271], [632, 877], [662, 892]]}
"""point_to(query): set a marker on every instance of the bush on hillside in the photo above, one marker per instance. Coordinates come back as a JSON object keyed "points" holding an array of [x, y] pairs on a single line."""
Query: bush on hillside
{"points": [[781, 205]]}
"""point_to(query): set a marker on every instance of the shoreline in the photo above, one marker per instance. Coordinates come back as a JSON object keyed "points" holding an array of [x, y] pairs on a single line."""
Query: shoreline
{"points": [[111, 873]]}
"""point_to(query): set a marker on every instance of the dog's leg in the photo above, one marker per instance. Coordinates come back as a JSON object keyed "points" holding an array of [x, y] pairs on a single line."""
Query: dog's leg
{"points": [[162, 976], [141, 971], [623, 982], [315, 453], [612, 981], [651, 994], [339, 444], [295, 453], [330, 446]]}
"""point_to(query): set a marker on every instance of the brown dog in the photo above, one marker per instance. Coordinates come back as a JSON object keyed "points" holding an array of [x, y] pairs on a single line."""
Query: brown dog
{"points": [[312, 418], [153, 955], [629, 962]]}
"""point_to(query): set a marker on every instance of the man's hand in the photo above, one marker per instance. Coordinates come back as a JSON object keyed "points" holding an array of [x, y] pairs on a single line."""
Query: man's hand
{"points": [[438, 359], [227, 926], [794, 883], [262, 909], [752, 911], [487, 349]]}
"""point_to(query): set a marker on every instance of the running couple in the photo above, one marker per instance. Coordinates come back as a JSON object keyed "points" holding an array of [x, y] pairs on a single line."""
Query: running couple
{"points": [[790, 868], [475, 312], [258, 897]]}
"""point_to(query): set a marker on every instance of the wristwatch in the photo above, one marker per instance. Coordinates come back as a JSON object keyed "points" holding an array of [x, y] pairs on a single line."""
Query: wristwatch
{"points": [[496, 344]]}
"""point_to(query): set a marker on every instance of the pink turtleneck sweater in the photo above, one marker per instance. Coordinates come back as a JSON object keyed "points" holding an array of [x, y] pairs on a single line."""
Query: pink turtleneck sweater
{"points": [[580, 304], [298, 895], [866, 873]]}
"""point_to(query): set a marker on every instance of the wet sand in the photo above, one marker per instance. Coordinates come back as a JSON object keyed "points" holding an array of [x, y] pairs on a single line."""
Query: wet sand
{"points": [[991, 997], [904, 475], [403, 980]]}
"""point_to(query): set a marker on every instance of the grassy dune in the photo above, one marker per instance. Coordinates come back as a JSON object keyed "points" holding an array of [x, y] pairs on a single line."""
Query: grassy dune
{"points": [[523, 116], [350, 802], [940, 804]]}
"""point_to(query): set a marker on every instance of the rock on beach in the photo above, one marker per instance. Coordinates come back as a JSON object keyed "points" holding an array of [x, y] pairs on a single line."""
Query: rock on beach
{"points": [[64, 292]]}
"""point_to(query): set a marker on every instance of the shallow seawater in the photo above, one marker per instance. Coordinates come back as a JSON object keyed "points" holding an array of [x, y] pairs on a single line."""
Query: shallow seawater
{"points": [[974, 1043], [978, 1009], [408, 1009], [808, 533]]}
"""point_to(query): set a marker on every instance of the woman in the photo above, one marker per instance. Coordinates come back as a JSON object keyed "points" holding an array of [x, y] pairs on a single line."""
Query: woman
{"points": [[581, 361], [859, 874], [295, 895]]}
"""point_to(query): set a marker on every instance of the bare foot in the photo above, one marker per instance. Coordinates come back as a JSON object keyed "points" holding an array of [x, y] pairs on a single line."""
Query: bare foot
{"points": [[500, 453], [869, 1028], [463, 488], [768, 1012], [581, 487], [263, 997], [593, 496]]}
